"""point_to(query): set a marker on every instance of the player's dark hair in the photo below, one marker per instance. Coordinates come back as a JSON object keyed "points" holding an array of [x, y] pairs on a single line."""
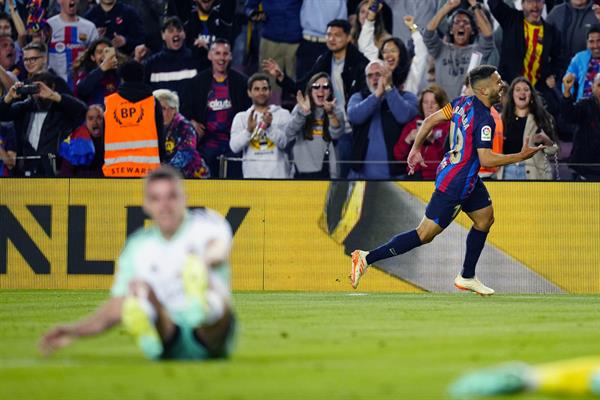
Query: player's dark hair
{"points": [[543, 118], [340, 23], [259, 76], [481, 73]]}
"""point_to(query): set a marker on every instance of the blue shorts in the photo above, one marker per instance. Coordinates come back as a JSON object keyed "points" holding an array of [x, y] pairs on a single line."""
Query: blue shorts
{"points": [[443, 208]]}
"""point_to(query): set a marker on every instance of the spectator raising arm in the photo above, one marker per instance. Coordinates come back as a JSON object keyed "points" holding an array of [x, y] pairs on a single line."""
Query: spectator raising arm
{"points": [[18, 23], [483, 23], [366, 40], [435, 46], [502, 11], [419, 61]]}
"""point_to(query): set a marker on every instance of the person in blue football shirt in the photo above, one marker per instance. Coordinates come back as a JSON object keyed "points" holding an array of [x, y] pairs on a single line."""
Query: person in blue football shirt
{"points": [[457, 184]]}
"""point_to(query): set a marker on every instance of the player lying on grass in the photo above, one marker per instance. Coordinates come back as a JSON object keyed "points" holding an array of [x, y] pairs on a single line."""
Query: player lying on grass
{"points": [[172, 288], [573, 378], [457, 184]]}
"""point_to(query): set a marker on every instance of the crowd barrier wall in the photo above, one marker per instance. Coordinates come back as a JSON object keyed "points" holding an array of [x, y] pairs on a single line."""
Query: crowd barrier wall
{"points": [[297, 235]]}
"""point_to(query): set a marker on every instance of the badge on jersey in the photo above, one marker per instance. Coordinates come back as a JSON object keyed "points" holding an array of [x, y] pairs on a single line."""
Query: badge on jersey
{"points": [[486, 133]]}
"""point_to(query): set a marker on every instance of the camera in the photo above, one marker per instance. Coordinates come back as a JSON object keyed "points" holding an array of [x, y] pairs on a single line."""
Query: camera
{"points": [[26, 90]]}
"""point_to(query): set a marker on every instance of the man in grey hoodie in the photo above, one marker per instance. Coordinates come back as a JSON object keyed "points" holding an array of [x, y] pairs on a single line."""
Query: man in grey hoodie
{"points": [[453, 58]]}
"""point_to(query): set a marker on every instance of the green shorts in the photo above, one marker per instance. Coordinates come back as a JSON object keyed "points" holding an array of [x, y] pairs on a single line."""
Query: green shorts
{"points": [[185, 345]]}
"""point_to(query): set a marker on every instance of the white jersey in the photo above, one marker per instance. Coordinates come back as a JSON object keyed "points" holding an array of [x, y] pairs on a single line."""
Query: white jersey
{"points": [[150, 257], [69, 40]]}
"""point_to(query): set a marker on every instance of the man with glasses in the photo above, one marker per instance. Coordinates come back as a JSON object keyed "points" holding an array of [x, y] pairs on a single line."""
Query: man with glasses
{"points": [[377, 115], [35, 60]]}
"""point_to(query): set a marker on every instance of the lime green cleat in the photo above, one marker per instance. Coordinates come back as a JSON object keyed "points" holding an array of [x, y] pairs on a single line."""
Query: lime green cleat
{"points": [[504, 379], [139, 325], [195, 285], [595, 383]]}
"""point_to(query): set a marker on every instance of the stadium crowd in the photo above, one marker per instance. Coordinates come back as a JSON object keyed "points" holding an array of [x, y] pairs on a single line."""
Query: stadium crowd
{"points": [[304, 89]]}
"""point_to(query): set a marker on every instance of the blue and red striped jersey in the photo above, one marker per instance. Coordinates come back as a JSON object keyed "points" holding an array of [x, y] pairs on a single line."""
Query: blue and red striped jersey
{"points": [[471, 127]]}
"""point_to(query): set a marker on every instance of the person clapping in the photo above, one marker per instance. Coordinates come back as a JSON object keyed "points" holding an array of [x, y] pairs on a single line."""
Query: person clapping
{"points": [[315, 123]]}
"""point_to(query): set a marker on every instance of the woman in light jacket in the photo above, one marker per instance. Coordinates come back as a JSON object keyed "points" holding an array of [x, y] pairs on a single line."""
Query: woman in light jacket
{"points": [[526, 119], [315, 123]]}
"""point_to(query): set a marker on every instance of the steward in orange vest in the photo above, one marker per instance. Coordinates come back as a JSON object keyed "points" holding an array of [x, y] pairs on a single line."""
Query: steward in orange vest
{"points": [[497, 145], [133, 134]]}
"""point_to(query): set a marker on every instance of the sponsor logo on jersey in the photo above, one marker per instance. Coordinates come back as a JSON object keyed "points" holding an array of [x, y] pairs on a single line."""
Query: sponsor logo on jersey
{"points": [[219, 105], [59, 47], [486, 133]]}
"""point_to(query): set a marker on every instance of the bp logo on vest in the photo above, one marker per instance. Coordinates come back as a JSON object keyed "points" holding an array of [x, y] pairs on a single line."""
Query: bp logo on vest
{"points": [[128, 114]]}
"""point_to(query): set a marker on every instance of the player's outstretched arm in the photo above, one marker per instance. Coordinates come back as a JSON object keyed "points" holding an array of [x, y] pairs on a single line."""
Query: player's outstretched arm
{"points": [[415, 157], [60, 336], [489, 159]]}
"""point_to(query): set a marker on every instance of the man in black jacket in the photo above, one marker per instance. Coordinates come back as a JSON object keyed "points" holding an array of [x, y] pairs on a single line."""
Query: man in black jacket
{"points": [[530, 46], [220, 93], [118, 22], [585, 114], [174, 66], [42, 122], [344, 64], [341, 54]]}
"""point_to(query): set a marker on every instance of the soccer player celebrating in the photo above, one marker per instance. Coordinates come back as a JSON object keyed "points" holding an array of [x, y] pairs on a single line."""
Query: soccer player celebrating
{"points": [[172, 288], [457, 184]]}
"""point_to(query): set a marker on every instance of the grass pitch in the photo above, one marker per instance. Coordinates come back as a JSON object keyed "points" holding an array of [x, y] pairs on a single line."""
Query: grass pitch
{"points": [[300, 346]]}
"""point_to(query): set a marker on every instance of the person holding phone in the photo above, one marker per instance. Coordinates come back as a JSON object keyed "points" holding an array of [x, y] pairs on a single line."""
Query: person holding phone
{"points": [[96, 72], [431, 100], [368, 30], [43, 119]]}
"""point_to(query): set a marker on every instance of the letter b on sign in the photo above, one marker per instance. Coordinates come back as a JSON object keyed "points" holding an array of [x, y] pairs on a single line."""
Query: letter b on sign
{"points": [[127, 112]]}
